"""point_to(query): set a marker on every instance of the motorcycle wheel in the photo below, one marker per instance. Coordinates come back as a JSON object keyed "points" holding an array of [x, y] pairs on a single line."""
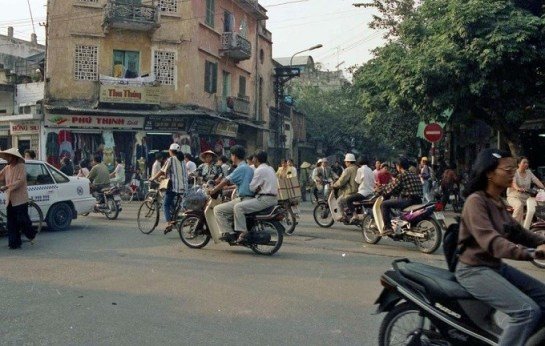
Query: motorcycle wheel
{"points": [[322, 215], [369, 229], [539, 262], [289, 222], [192, 232], [402, 324], [432, 230], [274, 229], [113, 211]]}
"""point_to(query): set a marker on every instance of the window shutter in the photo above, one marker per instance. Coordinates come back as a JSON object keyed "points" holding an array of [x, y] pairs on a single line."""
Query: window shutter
{"points": [[214, 78], [206, 77]]}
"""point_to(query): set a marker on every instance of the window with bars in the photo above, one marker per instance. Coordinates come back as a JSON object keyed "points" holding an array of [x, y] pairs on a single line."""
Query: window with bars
{"points": [[210, 77], [86, 63], [168, 6], [164, 67], [210, 12]]}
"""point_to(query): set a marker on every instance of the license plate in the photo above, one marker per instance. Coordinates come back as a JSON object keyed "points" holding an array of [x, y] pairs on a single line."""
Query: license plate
{"points": [[117, 198], [439, 216]]}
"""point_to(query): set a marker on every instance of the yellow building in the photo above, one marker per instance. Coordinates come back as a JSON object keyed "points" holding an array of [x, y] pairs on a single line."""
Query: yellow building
{"points": [[126, 77]]}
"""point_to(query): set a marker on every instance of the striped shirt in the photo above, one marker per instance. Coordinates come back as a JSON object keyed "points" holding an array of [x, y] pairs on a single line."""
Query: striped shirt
{"points": [[177, 173]]}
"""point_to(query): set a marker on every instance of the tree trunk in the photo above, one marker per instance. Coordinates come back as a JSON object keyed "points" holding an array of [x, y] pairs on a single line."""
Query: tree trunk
{"points": [[514, 145]]}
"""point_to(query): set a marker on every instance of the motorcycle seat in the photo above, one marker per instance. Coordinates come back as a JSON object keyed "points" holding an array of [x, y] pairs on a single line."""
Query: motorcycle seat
{"points": [[264, 214], [366, 202], [438, 283], [417, 206]]}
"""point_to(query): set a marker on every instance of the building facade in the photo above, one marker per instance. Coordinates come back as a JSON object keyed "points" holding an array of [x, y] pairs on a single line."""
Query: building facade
{"points": [[126, 77]]}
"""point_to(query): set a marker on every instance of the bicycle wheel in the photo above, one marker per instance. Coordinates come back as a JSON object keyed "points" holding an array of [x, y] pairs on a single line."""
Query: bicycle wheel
{"points": [[148, 216], [36, 216], [193, 233]]}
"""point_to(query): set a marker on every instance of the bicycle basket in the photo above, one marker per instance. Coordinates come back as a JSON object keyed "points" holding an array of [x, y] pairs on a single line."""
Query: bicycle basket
{"points": [[195, 199]]}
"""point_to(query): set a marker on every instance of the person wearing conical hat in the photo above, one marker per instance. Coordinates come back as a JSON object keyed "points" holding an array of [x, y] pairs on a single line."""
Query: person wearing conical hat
{"points": [[16, 198]]}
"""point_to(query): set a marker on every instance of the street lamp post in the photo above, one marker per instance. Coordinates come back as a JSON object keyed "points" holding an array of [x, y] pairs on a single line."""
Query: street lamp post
{"points": [[280, 133]]}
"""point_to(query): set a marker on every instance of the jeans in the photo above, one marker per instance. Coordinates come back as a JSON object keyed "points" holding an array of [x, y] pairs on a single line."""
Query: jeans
{"points": [[168, 203], [426, 190], [396, 203], [508, 290]]}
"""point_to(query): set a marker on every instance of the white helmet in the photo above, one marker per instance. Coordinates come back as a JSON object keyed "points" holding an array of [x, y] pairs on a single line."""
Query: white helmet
{"points": [[174, 147], [349, 158]]}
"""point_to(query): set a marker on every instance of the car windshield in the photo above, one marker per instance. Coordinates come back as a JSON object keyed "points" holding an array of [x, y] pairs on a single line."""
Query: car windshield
{"points": [[59, 176]]}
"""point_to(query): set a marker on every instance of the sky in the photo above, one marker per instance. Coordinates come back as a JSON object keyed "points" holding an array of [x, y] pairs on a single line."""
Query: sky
{"points": [[296, 25]]}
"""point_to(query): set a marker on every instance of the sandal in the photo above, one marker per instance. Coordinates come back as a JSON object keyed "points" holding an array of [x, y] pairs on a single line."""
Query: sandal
{"points": [[169, 227]]}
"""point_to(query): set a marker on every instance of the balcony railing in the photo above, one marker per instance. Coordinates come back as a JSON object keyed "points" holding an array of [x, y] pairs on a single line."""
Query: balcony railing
{"points": [[240, 105], [235, 46], [253, 7], [128, 16]]}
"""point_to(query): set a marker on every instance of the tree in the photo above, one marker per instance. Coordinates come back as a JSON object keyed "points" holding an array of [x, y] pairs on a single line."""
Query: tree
{"points": [[482, 58]]}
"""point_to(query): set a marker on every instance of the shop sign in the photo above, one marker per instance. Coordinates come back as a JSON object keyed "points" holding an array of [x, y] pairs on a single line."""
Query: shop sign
{"points": [[130, 94], [171, 123], [226, 129], [203, 126], [94, 122], [24, 127]]}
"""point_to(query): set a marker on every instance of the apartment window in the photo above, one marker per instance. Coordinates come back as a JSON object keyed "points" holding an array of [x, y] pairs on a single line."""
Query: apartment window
{"points": [[126, 64], [168, 6], [241, 86], [228, 21], [86, 63], [25, 110], [210, 11], [164, 67], [210, 77]]}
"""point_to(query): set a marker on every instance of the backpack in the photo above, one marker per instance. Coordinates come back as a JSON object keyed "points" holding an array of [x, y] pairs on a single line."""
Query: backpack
{"points": [[450, 246]]}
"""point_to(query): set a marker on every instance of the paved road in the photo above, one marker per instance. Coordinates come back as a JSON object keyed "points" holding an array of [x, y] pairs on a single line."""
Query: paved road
{"points": [[103, 282]]}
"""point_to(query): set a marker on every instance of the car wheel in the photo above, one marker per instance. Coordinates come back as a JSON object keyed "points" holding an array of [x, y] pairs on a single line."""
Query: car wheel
{"points": [[59, 217]]}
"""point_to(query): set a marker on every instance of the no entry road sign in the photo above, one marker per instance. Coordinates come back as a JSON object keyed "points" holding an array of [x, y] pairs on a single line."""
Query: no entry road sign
{"points": [[433, 132]]}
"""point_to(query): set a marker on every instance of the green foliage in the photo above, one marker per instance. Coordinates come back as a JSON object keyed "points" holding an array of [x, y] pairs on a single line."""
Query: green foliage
{"points": [[482, 58]]}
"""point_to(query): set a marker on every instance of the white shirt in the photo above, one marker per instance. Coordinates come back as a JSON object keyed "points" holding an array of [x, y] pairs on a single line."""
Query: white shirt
{"points": [[191, 167], [265, 179], [119, 171], [366, 178], [155, 168]]}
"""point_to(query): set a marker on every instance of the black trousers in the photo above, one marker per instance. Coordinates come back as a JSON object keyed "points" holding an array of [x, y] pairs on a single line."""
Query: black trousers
{"points": [[18, 221], [396, 203]]}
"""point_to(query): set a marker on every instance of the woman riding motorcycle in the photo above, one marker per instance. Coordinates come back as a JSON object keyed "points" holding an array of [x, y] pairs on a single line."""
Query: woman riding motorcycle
{"points": [[488, 233], [518, 196]]}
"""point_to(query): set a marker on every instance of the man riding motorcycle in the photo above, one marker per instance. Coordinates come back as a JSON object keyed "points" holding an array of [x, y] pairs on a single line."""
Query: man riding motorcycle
{"points": [[407, 186], [346, 184], [242, 177], [366, 179]]}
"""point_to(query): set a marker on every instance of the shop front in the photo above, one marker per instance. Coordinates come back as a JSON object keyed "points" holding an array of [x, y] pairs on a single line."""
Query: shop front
{"points": [[83, 136], [25, 135]]}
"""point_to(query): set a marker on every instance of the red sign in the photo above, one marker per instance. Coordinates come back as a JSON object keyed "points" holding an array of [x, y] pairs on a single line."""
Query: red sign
{"points": [[433, 132]]}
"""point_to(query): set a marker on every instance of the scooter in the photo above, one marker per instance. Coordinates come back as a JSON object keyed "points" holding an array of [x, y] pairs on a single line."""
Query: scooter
{"points": [[419, 224], [327, 212], [265, 230], [425, 305], [108, 202]]}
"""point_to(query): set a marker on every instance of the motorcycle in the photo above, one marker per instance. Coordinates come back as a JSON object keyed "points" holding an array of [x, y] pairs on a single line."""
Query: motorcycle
{"points": [[291, 206], [419, 224], [327, 212], [108, 202], [265, 230], [425, 305]]}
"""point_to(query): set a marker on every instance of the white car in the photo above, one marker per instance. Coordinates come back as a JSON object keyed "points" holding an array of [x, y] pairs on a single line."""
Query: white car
{"points": [[60, 197]]}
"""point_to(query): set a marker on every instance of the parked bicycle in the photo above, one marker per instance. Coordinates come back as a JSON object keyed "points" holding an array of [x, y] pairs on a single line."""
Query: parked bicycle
{"points": [[34, 212]]}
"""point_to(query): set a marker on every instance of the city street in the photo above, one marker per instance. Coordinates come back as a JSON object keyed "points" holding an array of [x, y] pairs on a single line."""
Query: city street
{"points": [[104, 282]]}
